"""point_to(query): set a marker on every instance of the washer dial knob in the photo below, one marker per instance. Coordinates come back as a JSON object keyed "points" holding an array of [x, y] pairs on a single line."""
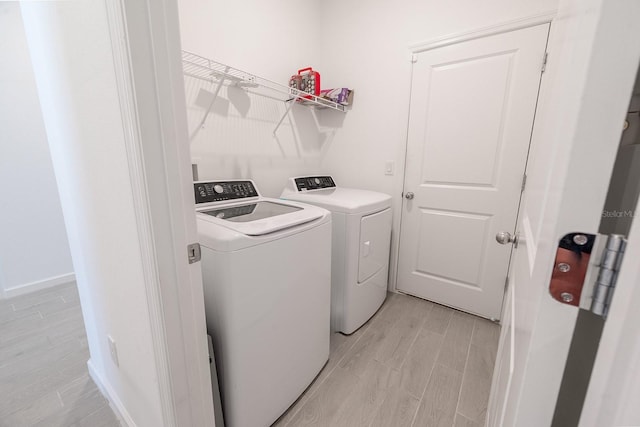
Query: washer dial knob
{"points": [[218, 188]]}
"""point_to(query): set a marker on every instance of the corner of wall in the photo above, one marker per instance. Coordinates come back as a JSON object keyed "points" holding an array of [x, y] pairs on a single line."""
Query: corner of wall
{"points": [[107, 391], [36, 285]]}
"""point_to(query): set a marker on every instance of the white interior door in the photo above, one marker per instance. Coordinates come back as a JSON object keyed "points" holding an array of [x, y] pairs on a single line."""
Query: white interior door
{"points": [[582, 106], [471, 115]]}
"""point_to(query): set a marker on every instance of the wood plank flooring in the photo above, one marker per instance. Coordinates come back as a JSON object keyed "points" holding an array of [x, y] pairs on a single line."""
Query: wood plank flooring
{"points": [[43, 363], [414, 363]]}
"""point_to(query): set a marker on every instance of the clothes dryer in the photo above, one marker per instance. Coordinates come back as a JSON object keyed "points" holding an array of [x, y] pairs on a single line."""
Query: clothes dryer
{"points": [[361, 241]]}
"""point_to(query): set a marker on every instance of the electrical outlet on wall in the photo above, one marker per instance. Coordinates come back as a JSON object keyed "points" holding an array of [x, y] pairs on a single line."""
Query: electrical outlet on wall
{"points": [[113, 350], [388, 168], [194, 171]]}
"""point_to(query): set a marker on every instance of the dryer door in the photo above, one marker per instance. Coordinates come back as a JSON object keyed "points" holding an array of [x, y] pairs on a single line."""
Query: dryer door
{"points": [[375, 242]]}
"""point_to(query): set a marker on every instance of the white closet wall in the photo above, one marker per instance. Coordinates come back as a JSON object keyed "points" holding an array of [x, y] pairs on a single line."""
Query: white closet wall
{"points": [[34, 251], [361, 45], [273, 40], [365, 46]]}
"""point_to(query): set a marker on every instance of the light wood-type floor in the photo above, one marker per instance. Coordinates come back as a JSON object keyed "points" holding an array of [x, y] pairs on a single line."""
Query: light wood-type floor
{"points": [[414, 363], [43, 363]]}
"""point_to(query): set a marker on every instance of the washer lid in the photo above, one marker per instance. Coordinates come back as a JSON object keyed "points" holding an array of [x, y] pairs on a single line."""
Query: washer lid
{"points": [[339, 199], [259, 217]]}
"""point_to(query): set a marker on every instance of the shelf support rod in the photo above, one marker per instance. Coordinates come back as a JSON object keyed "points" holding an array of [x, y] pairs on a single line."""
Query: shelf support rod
{"points": [[206, 114], [283, 116]]}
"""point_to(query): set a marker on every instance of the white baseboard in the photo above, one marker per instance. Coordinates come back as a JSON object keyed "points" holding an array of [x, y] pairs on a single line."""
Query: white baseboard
{"points": [[39, 285], [108, 392]]}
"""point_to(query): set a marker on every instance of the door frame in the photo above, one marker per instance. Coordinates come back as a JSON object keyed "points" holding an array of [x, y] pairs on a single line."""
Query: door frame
{"points": [[614, 387], [414, 49], [146, 47]]}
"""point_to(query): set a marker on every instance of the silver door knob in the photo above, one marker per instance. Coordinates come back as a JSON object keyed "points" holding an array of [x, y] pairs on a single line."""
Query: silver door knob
{"points": [[504, 237], [409, 195]]}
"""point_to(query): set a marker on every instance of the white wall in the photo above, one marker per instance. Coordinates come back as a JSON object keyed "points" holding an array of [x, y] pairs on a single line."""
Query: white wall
{"points": [[71, 53], [273, 40], [365, 46], [360, 45], [34, 252]]}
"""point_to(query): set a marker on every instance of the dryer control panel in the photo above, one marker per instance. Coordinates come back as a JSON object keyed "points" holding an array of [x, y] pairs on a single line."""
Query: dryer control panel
{"points": [[314, 183], [219, 191]]}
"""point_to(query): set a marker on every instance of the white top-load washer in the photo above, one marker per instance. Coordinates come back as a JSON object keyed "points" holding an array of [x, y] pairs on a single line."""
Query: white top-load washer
{"points": [[361, 242], [266, 267]]}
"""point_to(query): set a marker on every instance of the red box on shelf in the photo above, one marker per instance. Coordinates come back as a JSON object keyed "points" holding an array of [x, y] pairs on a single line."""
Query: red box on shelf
{"points": [[306, 80]]}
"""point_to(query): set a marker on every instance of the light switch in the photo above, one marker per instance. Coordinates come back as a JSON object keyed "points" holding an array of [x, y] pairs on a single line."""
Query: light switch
{"points": [[388, 168]]}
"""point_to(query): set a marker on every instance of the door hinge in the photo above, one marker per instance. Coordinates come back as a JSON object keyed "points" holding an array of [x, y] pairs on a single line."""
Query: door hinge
{"points": [[524, 182], [594, 261], [194, 253], [608, 268], [544, 61]]}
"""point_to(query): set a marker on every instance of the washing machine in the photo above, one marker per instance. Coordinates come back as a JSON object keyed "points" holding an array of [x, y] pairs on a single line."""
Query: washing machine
{"points": [[361, 236], [266, 267]]}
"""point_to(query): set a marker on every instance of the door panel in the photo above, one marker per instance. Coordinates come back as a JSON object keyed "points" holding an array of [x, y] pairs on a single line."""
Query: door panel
{"points": [[375, 239], [438, 259], [471, 115]]}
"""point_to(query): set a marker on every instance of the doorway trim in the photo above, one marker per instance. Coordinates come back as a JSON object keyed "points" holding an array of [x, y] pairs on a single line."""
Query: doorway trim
{"points": [[149, 90], [133, 144], [505, 27], [415, 48]]}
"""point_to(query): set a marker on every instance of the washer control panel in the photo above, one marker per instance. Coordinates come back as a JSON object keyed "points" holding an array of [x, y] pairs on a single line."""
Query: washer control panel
{"points": [[314, 183], [219, 191]]}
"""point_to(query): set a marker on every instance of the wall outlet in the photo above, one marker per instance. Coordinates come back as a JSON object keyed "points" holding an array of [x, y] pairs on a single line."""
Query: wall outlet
{"points": [[194, 171], [388, 168], [114, 350]]}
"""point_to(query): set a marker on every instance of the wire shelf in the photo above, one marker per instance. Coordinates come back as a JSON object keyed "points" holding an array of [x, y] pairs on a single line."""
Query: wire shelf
{"points": [[203, 68], [206, 69]]}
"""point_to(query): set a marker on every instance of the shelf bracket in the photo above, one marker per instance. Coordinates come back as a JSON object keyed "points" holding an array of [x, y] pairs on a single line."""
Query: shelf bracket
{"points": [[206, 114], [283, 116]]}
